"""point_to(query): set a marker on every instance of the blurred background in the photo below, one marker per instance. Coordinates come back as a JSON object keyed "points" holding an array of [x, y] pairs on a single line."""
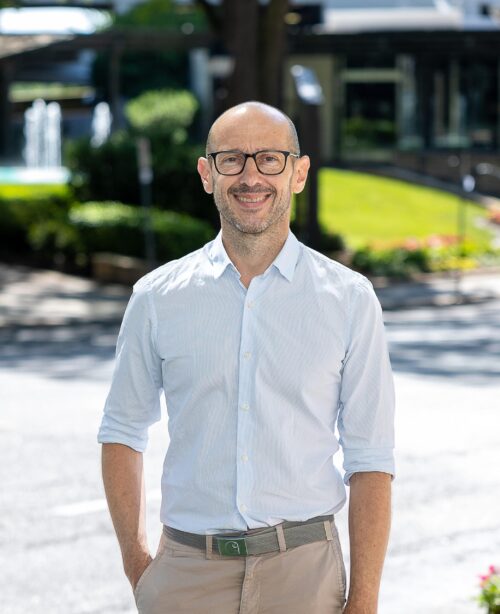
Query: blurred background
{"points": [[104, 110]]}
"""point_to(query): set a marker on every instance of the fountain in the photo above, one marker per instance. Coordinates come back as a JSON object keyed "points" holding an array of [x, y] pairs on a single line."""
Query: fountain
{"points": [[42, 130], [42, 151], [101, 124]]}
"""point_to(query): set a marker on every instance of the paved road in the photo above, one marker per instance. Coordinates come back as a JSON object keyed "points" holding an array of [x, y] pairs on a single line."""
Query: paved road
{"points": [[58, 552]]}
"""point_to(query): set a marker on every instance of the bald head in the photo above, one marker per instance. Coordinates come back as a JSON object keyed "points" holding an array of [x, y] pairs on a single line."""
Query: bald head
{"points": [[244, 114]]}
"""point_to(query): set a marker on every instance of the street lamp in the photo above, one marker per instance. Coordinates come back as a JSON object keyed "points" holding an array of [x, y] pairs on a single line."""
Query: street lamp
{"points": [[145, 169]]}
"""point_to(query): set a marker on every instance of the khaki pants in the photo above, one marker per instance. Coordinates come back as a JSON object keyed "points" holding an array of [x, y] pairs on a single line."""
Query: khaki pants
{"points": [[307, 579]]}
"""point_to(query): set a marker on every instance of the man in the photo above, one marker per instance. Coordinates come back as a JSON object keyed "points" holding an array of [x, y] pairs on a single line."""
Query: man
{"points": [[261, 346]]}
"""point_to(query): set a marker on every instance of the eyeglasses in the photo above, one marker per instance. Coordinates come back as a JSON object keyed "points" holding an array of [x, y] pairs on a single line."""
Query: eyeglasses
{"points": [[268, 161]]}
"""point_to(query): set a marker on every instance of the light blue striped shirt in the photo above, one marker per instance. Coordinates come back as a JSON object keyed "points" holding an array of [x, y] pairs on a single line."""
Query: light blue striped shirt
{"points": [[255, 382]]}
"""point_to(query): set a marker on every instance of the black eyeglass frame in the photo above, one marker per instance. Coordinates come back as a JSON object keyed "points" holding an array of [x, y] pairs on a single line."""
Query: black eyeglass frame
{"points": [[214, 155]]}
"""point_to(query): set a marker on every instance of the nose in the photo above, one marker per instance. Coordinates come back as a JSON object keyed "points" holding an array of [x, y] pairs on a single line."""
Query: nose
{"points": [[249, 170]]}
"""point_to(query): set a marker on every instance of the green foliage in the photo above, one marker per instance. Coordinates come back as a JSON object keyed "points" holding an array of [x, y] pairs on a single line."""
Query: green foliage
{"points": [[115, 227], [162, 14], [361, 132], [432, 255], [19, 215], [489, 597], [56, 240], [331, 242], [142, 70], [397, 262], [109, 172], [52, 229], [162, 114]]}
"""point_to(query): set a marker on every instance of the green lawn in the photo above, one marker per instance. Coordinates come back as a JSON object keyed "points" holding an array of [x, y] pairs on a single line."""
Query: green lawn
{"points": [[362, 208], [365, 208], [30, 190]]}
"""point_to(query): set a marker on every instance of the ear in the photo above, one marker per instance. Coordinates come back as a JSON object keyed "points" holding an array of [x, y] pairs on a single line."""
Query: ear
{"points": [[300, 174], [205, 174]]}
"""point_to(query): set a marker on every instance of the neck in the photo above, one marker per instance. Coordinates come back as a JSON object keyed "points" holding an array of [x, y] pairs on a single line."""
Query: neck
{"points": [[252, 254]]}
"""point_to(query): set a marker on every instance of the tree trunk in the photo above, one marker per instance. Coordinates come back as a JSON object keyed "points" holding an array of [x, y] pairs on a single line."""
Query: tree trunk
{"points": [[254, 35], [241, 25], [272, 51]]}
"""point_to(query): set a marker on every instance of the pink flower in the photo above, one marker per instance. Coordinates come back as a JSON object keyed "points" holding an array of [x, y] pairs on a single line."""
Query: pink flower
{"points": [[411, 243], [435, 241]]}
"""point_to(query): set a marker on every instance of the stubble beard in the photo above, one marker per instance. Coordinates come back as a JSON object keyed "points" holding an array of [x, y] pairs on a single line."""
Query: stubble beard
{"points": [[276, 211]]}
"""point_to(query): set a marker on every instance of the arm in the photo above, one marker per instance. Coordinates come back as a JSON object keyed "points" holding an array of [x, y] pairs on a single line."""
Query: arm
{"points": [[123, 478], [369, 523]]}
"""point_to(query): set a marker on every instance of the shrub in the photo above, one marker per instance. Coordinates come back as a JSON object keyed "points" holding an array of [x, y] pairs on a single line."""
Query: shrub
{"points": [[18, 217], [109, 172], [162, 114], [397, 262], [489, 597], [436, 253], [119, 228]]}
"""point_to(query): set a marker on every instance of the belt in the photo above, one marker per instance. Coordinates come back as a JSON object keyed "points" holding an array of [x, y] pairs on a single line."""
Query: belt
{"points": [[288, 534]]}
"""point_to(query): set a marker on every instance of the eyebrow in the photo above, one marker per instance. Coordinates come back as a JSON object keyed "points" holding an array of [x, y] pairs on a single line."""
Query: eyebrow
{"points": [[243, 151]]}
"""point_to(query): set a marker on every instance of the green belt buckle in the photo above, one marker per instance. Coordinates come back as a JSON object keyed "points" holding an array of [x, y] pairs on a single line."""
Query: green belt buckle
{"points": [[232, 546]]}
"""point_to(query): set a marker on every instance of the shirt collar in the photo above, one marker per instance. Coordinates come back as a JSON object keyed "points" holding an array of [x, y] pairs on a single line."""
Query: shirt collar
{"points": [[285, 261], [218, 256]]}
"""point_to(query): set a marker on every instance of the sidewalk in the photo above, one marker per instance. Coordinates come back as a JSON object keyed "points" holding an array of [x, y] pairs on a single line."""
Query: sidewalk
{"points": [[33, 297]]}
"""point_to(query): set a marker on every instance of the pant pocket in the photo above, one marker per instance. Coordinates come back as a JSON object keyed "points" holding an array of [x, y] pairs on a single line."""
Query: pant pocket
{"points": [[339, 558], [140, 583]]}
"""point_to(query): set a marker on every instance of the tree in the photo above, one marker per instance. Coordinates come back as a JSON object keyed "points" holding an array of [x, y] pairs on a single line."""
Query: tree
{"points": [[254, 34]]}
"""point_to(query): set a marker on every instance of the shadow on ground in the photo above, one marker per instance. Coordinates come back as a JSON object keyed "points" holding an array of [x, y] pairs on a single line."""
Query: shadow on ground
{"points": [[68, 351], [460, 342]]}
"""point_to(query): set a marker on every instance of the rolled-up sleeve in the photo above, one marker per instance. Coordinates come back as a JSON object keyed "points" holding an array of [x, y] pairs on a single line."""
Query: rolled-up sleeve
{"points": [[367, 398], [133, 402]]}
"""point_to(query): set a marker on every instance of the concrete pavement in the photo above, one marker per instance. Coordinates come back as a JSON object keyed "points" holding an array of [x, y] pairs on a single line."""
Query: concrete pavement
{"points": [[35, 297], [59, 553]]}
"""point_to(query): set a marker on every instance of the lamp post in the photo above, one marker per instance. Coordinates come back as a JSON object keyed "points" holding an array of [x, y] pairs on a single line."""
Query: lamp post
{"points": [[468, 185], [310, 96], [145, 180]]}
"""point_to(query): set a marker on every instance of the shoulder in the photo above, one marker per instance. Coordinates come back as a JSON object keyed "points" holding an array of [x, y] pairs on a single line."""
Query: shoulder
{"points": [[174, 273], [335, 273]]}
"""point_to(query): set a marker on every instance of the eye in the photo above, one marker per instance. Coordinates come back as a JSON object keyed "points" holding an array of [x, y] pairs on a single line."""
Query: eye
{"points": [[269, 158], [230, 158]]}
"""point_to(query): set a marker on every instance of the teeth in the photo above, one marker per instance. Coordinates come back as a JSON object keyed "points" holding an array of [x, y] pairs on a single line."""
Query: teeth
{"points": [[251, 200]]}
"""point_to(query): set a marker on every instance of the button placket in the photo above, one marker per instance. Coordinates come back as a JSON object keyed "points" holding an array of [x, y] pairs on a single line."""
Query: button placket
{"points": [[244, 469]]}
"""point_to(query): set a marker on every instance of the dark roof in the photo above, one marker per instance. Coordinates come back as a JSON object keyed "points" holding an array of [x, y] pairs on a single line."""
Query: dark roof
{"points": [[16, 44], [432, 43], [137, 38]]}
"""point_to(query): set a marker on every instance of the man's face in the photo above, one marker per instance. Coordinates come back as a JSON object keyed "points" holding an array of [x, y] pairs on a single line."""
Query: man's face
{"points": [[252, 202]]}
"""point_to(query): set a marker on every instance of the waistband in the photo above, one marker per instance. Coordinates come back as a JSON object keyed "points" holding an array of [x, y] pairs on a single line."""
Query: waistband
{"points": [[285, 535]]}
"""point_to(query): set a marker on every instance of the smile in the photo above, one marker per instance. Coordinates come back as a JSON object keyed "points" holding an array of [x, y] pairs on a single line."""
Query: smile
{"points": [[251, 200]]}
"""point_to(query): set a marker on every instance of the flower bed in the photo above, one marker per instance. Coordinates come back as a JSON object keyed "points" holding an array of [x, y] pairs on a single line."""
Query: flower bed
{"points": [[489, 597], [435, 253]]}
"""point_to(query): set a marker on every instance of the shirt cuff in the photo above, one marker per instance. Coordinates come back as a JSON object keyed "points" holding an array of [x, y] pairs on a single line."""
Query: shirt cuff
{"points": [[368, 459], [112, 431]]}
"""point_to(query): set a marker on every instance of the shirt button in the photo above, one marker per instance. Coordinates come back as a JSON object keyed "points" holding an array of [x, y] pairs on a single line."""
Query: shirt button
{"points": [[243, 507], [245, 406], [250, 304], [244, 458], [247, 355]]}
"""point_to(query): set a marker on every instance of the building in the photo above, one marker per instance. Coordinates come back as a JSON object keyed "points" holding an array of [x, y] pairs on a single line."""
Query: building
{"points": [[411, 83]]}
